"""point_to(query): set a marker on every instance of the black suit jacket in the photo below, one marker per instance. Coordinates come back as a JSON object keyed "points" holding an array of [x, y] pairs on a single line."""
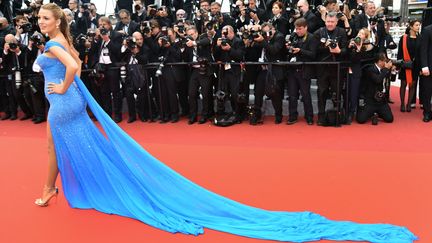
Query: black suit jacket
{"points": [[10, 60], [133, 27], [313, 22], [426, 48], [113, 47], [275, 51], [373, 79], [308, 48], [235, 54]]}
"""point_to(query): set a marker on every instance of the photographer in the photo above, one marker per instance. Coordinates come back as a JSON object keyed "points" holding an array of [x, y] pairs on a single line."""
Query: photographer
{"points": [[23, 29], [271, 77], [376, 104], [369, 20], [139, 14], [426, 68], [107, 48], [333, 48], [133, 52], [5, 28], [302, 46], [198, 51], [361, 53], [163, 17], [91, 17], [229, 48], [14, 59], [313, 22], [169, 53], [71, 22], [36, 47], [202, 15], [126, 26]]}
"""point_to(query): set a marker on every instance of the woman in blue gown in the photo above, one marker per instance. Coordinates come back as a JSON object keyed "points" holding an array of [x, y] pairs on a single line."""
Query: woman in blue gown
{"points": [[113, 174]]}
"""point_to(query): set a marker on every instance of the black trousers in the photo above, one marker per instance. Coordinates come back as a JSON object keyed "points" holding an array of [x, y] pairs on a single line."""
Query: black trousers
{"points": [[169, 98], [196, 81], [18, 97], [354, 87], [327, 84], [110, 87], [260, 90], [297, 83], [38, 97], [231, 85], [182, 91], [382, 109], [426, 84], [4, 99]]}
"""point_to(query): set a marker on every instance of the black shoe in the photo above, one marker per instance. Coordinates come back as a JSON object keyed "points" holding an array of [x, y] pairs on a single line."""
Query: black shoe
{"points": [[408, 108], [131, 119], [13, 117], [164, 120], [375, 119], [309, 121], [402, 108], [321, 121], [292, 120], [192, 119], [278, 119], [39, 120], [34, 119], [26, 117], [6, 117], [349, 119], [253, 121], [118, 119], [203, 120], [175, 118], [426, 118]]}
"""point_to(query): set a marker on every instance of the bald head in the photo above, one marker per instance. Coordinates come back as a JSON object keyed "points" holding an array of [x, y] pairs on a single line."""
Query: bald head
{"points": [[9, 38], [138, 38], [303, 6]]}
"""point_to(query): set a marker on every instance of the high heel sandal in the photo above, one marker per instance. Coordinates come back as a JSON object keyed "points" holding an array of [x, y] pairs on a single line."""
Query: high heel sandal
{"points": [[52, 191]]}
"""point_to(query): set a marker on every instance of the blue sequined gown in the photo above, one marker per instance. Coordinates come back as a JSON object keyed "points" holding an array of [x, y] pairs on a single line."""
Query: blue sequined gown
{"points": [[113, 174]]}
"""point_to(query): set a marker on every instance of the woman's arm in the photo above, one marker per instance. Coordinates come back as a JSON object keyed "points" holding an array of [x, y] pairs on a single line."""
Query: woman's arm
{"points": [[71, 69], [75, 55]]}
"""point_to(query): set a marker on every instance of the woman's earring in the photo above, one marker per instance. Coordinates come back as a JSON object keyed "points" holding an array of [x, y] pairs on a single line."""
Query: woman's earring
{"points": [[57, 26]]}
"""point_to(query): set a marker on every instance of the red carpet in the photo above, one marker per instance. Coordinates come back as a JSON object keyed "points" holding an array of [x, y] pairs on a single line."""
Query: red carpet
{"points": [[363, 173]]}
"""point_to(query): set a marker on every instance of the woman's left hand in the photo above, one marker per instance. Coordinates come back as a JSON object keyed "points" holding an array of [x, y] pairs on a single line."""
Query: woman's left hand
{"points": [[54, 88]]}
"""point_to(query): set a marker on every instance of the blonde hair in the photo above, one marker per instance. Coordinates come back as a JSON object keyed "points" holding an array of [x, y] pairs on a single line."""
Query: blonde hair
{"points": [[59, 14], [366, 32]]}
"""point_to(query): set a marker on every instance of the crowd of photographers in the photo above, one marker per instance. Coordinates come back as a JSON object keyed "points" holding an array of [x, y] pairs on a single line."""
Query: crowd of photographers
{"points": [[162, 59]]}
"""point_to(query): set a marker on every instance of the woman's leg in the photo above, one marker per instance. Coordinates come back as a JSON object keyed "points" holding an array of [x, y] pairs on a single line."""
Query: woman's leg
{"points": [[402, 94], [411, 94], [52, 161], [49, 189]]}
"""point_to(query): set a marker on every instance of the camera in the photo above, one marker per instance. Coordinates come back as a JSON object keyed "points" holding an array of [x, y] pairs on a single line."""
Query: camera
{"points": [[165, 40], [27, 27], [381, 17], [248, 11], [339, 15], [249, 34], [234, 10], [332, 42], [152, 9], [292, 11], [131, 43], [146, 27], [224, 39], [292, 41], [24, 11], [104, 31], [91, 33], [38, 39], [267, 34], [13, 46]]}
